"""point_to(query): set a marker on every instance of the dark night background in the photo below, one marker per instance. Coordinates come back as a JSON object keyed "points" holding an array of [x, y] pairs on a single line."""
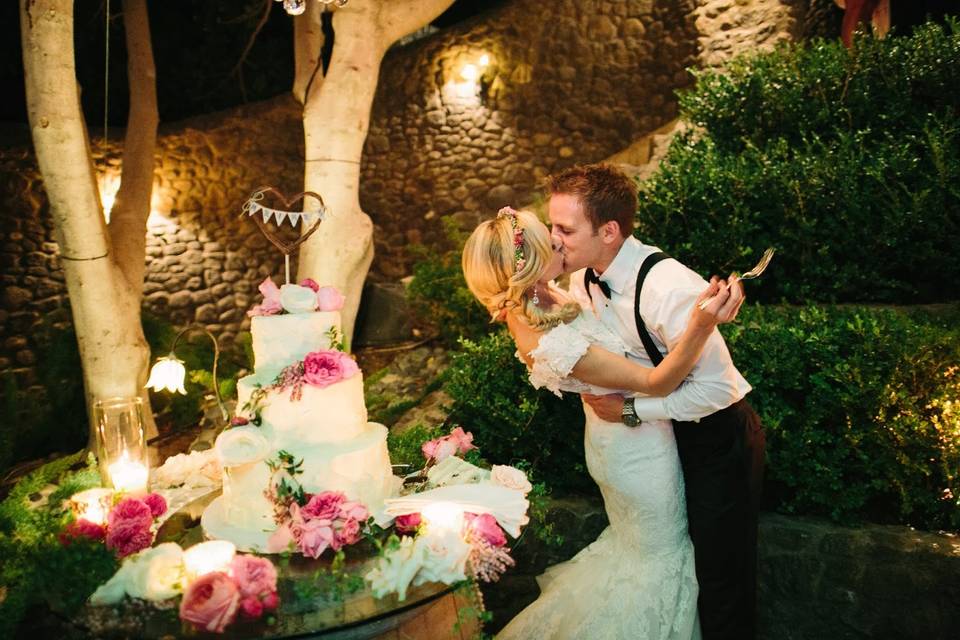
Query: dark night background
{"points": [[196, 44]]}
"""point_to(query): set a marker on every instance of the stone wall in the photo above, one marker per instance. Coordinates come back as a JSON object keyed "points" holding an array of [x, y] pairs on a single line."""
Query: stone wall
{"points": [[565, 82], [816, 579]]}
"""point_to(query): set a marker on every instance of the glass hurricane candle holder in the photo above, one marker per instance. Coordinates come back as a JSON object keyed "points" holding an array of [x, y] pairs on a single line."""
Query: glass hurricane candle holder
{"points": [[122, 450]]}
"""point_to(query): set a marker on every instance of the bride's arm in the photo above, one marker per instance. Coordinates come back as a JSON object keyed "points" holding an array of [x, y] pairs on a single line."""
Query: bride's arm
{"points": [[605, 369]]}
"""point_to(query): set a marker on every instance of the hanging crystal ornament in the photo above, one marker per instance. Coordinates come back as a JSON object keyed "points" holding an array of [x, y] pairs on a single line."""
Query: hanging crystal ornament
{"points": [[296, 7]]}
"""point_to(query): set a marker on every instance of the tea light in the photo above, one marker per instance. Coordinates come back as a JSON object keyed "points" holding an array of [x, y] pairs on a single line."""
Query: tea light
{"points": [[443, 517], [92, 504], [128, 475], [207, 557]]}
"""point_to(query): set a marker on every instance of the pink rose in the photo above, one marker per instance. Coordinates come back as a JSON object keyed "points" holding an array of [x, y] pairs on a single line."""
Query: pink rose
{"points": [[354, 510], [325, 506], [238, 421], [82, 528], [251, 607], [129, 536], [348, 532], [271, 300], [310, 283], [157, 504], [459, 441], [329, 299], [407, 523], [255, 577], [323, 368], [281, 539], [130, 509], [313, 537], [485, 525], [271, 601], [211, 602]]}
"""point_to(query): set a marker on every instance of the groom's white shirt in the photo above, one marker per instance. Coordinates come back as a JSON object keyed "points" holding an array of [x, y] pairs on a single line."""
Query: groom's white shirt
{"points": [[666, 301]]}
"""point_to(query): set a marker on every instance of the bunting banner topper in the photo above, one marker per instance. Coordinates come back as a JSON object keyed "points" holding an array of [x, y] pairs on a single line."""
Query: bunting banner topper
{"points": [[254, 207]]}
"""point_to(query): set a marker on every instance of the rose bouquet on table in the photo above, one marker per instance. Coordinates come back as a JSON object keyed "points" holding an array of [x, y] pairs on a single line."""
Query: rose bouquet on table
{"points": [[452, 521], [129, 526]]}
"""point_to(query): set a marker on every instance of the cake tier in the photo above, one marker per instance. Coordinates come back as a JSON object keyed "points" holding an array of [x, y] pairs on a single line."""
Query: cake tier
{"points": [[360, 468], [281, 340], [335, 413]]}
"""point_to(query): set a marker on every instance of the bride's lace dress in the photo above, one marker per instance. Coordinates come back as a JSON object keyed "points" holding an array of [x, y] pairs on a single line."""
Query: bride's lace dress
{"points": [[637, 580]]}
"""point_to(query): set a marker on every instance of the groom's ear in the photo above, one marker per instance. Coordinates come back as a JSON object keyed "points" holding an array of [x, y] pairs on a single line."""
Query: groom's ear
{"points": [[610, 231]]}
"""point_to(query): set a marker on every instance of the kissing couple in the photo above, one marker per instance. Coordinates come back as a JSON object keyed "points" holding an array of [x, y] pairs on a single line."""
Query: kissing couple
{"points": [[675, 449]]}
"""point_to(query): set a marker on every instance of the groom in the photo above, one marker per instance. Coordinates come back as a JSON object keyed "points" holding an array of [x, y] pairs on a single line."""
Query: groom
{"points": [[647, 297]]}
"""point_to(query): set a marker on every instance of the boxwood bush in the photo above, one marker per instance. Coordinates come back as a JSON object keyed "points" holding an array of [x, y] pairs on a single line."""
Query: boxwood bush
{"points": [[847, 161]]}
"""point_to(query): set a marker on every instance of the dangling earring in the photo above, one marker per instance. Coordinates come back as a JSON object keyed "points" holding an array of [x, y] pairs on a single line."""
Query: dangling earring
{"points": [[535, 298]]}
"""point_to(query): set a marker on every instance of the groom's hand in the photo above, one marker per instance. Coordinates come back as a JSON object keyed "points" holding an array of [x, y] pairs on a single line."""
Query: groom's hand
{"points": [[608, 408]]}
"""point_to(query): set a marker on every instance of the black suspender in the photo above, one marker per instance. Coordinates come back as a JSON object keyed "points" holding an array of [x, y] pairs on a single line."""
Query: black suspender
{"points": [[655, 356]]}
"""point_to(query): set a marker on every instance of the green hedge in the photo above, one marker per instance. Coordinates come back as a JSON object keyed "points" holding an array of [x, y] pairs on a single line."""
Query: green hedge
{"points": [[860, 406], [848, 162]]}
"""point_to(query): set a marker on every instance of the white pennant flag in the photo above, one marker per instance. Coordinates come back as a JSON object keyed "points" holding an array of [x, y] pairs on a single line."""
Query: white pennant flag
{"points": [[267, 214], [281, 215], [294, 218]]}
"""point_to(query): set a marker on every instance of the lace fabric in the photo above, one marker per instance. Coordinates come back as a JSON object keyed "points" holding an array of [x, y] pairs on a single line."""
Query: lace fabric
{"points": [[637, 581]]}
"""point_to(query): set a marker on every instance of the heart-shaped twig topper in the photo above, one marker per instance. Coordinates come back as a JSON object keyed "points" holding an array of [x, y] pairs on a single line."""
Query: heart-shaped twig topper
{"points": [[253, 206]]}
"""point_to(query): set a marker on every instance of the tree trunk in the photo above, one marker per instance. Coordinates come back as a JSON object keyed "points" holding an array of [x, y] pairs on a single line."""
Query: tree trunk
{"points": [[104, 302], [336, 117]]}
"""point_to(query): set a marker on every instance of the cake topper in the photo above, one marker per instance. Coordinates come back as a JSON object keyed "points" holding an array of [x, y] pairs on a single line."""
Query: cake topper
{"points": [[254, 206]]}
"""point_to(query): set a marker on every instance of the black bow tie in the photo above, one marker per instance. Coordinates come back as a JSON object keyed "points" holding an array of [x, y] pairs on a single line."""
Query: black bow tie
{"points": [[591, 278]]}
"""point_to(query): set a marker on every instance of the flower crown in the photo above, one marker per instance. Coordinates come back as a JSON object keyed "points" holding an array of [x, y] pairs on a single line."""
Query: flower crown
{"points": [[510, 212]]}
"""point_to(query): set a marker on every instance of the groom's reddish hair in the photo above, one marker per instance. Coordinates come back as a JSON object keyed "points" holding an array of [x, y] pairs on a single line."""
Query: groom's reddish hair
{"points": [[605, 192]]}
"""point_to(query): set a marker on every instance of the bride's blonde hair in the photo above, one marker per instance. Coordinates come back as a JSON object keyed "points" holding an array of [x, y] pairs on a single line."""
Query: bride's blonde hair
{"points": [[503, 259]]}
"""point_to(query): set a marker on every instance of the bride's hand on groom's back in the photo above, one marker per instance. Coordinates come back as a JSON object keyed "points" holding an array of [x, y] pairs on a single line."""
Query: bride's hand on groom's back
{"points": [[721, 302]]}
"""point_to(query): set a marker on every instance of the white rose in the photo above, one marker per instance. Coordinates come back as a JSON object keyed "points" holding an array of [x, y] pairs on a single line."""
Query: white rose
{"points": [[454, 470], [396, 569], [297, 299], [152, 574], [241, 445], [198, 469], [158, 573], [445, 558], [511, 478]]}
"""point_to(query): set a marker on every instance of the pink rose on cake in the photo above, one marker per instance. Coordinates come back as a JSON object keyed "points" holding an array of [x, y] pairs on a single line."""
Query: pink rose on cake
{"points": [[324, 506], [271, 300], [323, 368], [329, 299]]}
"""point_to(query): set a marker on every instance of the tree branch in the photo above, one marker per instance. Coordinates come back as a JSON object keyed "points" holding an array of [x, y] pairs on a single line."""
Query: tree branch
{"points": [[238, 67], [402, 18], [308, 41]]}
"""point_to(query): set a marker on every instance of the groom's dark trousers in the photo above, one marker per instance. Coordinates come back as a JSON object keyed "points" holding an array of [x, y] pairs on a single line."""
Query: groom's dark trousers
{"points": [[722, 457]]}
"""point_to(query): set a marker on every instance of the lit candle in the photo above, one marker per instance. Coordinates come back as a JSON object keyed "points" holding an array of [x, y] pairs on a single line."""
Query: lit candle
{"points": [[128, 475], [443, 517], [92, 504], [207, 557]]}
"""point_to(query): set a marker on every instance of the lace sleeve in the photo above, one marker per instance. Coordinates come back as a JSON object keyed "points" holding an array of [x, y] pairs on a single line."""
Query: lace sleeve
{"points": [[557, 353]]}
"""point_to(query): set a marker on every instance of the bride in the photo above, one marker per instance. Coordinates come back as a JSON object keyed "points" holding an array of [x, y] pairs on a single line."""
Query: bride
{"points": [[637, 580]]}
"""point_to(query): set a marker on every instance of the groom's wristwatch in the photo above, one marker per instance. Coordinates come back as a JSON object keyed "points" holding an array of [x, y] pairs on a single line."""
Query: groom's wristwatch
{"points": [[629, 415]]}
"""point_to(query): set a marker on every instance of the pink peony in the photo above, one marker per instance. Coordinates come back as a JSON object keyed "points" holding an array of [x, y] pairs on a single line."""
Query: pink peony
{"points": [[313, 537], [347, 532], [459, 441], [407, 523], [238, 421], [255, 577], [485, 525], [325, 506], [323, 368], [82, 528], [329, 299], [129, 536], [211, 602], [130, 510], [355, 510], [310, 283], [271, 300], [157, 504]]}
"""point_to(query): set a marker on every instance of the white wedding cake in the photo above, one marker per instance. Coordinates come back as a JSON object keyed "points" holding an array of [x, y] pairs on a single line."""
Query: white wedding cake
{"points": [[304, 398]]}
